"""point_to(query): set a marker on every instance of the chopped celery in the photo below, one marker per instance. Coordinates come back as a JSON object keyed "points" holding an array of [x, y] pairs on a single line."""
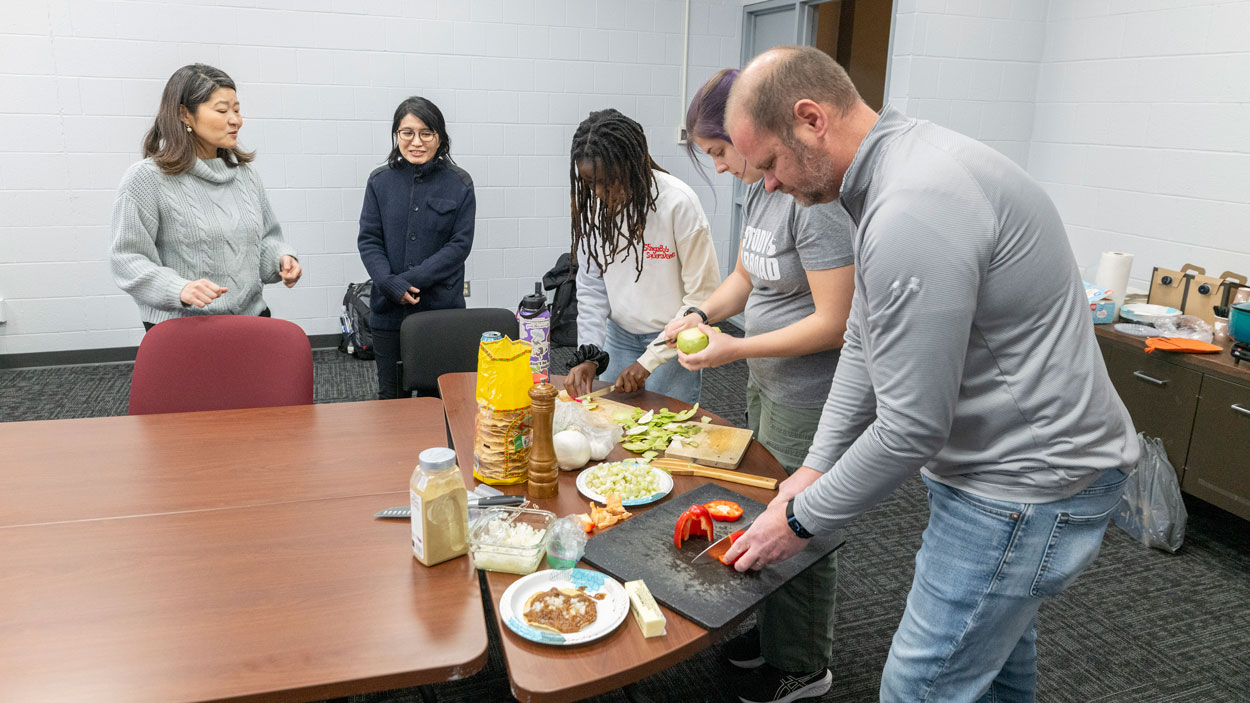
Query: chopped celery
{"points": [[630, 479]]}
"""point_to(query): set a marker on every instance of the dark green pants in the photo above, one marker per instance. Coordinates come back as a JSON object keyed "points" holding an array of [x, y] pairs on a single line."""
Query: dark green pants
{"points": [[796, 622]]}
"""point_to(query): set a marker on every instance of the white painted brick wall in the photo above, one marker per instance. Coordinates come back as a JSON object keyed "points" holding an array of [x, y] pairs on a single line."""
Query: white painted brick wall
{"points": [[1131, 114], [82, 78], [970, 66], [1140, 131]]}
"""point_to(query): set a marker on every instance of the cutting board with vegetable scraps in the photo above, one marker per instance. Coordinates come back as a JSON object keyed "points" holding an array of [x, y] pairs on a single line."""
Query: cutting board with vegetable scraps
{"points": [[604, 407], [652, 433], [718, 446], [710, 594]]}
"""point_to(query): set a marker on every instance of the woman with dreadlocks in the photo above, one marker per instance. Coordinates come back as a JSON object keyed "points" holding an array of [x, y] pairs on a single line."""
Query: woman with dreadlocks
{"points": [[645, 254]]}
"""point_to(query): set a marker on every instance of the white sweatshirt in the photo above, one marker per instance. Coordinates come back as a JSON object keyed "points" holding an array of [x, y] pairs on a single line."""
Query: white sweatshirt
{"points": [[679, 270]]}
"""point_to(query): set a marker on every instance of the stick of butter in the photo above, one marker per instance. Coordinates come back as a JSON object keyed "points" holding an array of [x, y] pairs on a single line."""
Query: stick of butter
{"points": [[646, 611]]}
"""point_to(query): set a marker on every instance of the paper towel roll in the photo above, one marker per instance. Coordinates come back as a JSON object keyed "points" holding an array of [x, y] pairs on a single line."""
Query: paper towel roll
{"points": [[1113, 271]]}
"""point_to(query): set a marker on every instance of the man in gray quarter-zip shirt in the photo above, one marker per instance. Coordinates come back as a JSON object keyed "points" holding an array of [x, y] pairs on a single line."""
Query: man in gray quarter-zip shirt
{"points": [[969, 357]]}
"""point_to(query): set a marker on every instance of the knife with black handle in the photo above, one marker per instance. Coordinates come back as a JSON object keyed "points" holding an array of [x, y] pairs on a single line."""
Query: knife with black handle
{"points": [[405, 511]]}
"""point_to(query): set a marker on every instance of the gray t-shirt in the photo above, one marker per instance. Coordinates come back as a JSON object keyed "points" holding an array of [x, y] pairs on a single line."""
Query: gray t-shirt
{"points": [[781, 242]]}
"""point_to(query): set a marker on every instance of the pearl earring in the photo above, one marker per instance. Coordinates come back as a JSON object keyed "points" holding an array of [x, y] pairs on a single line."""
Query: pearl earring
{"points": [[188, 128]]}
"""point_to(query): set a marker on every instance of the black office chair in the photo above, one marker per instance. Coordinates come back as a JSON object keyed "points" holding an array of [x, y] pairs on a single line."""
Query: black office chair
{"points": [[436, 342]]}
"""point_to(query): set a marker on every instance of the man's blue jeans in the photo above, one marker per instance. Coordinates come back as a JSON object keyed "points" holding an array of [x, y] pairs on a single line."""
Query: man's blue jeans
{"points": [[968, 633], [670, 379]]}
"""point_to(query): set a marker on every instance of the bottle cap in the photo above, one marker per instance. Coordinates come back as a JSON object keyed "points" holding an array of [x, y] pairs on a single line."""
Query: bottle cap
{"points": [[437, 458], [535, 301]]}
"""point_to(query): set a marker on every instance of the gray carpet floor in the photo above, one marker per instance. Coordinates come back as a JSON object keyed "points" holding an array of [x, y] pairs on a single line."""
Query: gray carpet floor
{"points": [[1138, 626]]}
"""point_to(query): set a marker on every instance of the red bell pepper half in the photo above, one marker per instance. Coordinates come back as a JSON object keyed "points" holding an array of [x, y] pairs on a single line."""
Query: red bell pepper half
{"points": [[732, 538], [695, 521], [724, 510]]}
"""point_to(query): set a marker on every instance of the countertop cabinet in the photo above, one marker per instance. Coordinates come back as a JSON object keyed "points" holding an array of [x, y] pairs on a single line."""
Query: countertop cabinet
{"points": [[1219, 452], [1198, 404], [1161, 397]]}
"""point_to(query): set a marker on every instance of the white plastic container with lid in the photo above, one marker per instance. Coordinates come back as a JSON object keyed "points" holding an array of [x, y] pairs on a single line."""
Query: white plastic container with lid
{"points": [[440, 509]]}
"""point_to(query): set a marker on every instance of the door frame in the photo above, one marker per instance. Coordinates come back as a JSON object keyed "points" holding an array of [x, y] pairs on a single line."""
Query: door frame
{"points": [[804, 24]]}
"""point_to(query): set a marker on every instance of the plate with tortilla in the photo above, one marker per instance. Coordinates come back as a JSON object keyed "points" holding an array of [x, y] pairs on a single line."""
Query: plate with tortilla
{"points": [[564, 606]]}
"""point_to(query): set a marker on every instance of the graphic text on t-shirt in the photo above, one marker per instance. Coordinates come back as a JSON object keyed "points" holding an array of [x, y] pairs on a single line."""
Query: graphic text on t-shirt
{"points": [[758, 246], [657, 251]]}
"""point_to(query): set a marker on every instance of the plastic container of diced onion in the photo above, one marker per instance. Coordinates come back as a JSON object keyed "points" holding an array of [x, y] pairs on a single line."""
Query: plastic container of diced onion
{"points": [[512, 540]]}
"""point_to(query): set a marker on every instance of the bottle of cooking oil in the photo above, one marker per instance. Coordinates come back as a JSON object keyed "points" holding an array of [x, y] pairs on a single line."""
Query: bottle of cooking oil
{"points": [[440, 509]]}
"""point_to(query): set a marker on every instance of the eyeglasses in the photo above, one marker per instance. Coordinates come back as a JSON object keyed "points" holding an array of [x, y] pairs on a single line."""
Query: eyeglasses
{"points": [[406, 135]]}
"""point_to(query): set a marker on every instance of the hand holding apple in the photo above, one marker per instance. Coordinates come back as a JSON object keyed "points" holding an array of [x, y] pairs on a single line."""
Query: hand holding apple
{"points": [[691, 340], [674, 328], [707, 350]]}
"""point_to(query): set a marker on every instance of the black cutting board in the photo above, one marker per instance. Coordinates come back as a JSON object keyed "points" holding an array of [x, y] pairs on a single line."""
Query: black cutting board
{"points": [[710, 594]]}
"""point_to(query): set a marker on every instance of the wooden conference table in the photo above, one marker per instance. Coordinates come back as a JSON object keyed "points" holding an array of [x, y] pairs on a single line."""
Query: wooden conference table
{"points": [[226, 555], [548, 674]]}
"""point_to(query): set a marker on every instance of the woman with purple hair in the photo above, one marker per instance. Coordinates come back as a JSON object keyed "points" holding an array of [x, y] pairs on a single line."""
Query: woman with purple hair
{"points": [[793, 282]]}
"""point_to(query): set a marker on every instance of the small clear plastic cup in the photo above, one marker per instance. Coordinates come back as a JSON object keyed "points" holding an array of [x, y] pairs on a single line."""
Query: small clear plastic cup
{"points": [[567, 543]]}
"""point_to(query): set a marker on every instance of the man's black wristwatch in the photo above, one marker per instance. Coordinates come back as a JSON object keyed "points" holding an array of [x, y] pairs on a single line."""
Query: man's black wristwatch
{"points": [[793, 522], [699, 312]]}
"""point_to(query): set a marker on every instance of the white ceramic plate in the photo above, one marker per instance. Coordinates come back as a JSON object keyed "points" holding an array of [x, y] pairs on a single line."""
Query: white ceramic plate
{"points": [[1145, 312], [610, 611], [662, 479]]}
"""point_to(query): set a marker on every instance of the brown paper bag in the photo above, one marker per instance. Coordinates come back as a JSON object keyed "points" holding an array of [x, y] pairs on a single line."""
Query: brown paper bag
{"points": [[1234, 290], [1168, 288], [1205, 292]]}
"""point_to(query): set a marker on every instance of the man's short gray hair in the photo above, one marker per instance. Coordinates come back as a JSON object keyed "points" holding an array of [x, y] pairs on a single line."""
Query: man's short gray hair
{"points": [[800, 73]]}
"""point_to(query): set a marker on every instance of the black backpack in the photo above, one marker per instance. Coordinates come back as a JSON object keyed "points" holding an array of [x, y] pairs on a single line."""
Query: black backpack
{"points": [[562, 279], [357, 337]]}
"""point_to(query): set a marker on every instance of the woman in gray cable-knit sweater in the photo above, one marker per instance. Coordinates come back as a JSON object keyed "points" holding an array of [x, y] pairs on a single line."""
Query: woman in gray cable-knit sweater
{"points": [[193, 233]]}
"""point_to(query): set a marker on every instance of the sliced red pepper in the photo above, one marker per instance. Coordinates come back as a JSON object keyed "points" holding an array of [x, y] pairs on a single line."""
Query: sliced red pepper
{"points": [[695, 521], [732, 538], [724, 510]]}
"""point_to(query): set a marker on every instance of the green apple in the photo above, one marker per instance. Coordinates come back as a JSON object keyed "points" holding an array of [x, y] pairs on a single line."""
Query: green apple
{"points": [[691, 340]]}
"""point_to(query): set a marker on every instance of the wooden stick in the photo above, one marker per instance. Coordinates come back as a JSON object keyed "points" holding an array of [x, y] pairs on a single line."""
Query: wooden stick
{"points": [[685, 468]]}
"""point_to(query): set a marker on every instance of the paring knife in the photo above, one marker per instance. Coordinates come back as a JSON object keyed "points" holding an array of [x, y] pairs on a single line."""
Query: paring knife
{"points": [[595, 394], [717, 549], [405, 511]]}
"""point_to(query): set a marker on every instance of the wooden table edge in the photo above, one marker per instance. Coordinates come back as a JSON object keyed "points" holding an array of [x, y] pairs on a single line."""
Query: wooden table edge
{"points": [[623, 677], [386, 682]]}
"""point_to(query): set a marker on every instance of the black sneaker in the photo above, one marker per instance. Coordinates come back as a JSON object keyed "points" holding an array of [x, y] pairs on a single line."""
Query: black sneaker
{"points": [[772, 685], [743, 651]]}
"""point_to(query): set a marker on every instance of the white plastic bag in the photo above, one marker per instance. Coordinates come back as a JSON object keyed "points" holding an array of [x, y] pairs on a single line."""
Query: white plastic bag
{"points": [[1187, 326], [602, 432], [1152, 510]]}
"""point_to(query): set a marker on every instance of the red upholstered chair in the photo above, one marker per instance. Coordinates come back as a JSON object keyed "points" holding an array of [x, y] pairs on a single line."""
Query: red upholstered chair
{"points": [[219, 362]]}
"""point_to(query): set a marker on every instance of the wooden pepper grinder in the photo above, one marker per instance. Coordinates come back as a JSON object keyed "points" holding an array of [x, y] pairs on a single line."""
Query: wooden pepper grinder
{"points": [[544, 479]]}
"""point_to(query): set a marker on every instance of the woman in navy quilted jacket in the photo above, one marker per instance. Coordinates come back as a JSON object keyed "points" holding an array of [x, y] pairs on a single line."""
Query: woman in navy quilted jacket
{"points": [[416, 230]]}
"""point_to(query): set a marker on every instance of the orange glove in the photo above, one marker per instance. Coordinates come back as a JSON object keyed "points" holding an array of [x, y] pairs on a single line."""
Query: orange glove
{"points": [[1181, 344]]}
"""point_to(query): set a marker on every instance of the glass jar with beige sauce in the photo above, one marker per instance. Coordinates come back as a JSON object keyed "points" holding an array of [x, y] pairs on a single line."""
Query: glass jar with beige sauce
{"points": [[440, 508]]}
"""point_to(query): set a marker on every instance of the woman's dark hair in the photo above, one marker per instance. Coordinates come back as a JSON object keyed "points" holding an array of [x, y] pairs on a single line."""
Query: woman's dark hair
{"points": [[169, 143], [705, 118], [428, 113], [615, 148]]}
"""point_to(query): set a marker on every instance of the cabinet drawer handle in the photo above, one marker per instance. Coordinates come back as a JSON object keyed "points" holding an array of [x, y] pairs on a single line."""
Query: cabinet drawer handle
{"points": [[1149, 379], [1240, 409]]}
